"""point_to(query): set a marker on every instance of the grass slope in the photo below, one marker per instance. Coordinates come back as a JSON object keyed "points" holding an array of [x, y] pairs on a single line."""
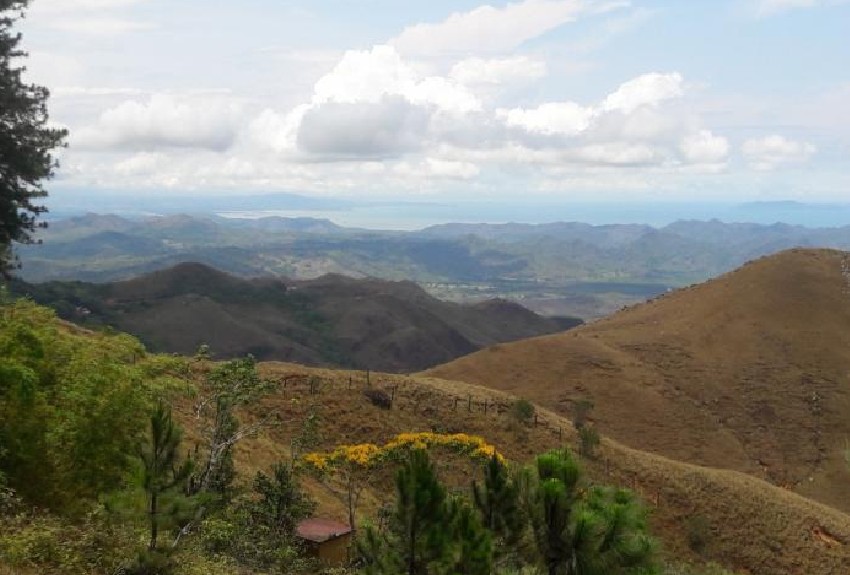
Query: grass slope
{"points": [[747, 372], [753, 526]]}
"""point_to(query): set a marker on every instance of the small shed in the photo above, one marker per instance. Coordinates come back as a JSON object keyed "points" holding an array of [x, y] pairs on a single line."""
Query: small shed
{"points": [[326, 539]]}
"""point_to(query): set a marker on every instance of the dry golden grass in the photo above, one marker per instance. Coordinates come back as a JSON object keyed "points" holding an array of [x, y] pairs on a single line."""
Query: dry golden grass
{"points": [[756, 527], [747, 372]]}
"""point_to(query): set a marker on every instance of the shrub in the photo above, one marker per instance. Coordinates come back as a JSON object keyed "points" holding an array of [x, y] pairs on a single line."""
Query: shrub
{"points": [[581, 412], [588, 441], [379, 398], [698, 532], [156, 562], [523, 411]]}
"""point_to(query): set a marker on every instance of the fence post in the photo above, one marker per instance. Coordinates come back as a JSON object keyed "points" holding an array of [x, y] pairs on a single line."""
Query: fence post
{"points": [[535, 420], [485, 405], [560, 433], [469, 404], [456, 400]]}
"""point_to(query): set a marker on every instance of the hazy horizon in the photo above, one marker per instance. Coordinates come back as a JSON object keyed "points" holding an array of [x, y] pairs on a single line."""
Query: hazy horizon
{"points": [[414, 215]]}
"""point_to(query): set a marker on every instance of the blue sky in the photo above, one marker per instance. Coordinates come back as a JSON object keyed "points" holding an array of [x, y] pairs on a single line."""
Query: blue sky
{"points": [[549, 99]]}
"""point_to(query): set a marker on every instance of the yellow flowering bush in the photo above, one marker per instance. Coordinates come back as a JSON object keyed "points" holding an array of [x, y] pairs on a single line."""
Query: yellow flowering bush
{"points": [[348, 468], [367, 454]]}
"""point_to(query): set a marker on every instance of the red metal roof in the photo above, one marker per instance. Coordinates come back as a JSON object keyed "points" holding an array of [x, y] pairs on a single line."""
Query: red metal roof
{"points": [[321, 530]]}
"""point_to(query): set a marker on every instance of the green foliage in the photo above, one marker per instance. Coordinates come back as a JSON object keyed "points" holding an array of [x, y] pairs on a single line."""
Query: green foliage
{"points": [[616, 522], [596, 531], [281, 503], [71, 406], [258, 531], [26, 141], [309, 435], [498, 503], [228, 386], [50, 544], [428, 533], [152, 562], [163, 474], [472, 549], [417, 541]]}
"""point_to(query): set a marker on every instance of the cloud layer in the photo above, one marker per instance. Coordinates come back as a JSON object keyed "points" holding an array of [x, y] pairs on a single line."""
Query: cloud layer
{"points": [[484, 98]]}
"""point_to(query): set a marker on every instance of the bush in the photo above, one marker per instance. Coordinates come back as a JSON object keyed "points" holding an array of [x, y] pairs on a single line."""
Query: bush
{"points": [[698, 532], [155, 562], [50, 544], [581, 412], [588, 442], [258, 531], [379, 398], [523, 411]]}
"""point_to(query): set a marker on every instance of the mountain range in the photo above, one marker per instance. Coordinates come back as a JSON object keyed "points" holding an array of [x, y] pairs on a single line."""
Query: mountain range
{"points": [[555, 269]]}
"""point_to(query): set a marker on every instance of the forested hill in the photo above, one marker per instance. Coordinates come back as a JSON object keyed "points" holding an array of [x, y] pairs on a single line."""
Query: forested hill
{"points": [[332, 320]]}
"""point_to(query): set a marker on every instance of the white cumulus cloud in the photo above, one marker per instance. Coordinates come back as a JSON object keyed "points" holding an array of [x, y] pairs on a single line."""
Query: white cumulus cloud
{"points": [[567, 118], [645, 90], [372, 104], [628, 113], [772, 151], [387, 128], [481, 71], [369, 75], [703, 147], [164, 121]]}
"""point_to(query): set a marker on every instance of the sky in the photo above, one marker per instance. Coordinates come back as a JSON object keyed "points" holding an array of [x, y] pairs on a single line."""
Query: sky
{"points": [[554, 100]]}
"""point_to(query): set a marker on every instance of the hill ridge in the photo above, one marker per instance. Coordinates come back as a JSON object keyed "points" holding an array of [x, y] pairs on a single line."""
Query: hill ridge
{"points": [[332, 320], [748, 371]]}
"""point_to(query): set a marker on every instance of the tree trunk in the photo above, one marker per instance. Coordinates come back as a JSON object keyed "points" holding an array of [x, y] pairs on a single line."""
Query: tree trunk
{"points": [[154, 521]]}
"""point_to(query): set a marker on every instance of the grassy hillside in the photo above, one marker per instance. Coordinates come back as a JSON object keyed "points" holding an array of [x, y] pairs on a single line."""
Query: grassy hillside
{"points": [[751, 525], [747, 372], [746, 523], [332, 320]]}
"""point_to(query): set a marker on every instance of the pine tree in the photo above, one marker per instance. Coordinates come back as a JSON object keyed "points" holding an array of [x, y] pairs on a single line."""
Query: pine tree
{"points": [[497, 502], [420, 514], [418, 541], [25, 141], [622, 544], [162, 471], [472, 552], [596, 531], [551, 502]]}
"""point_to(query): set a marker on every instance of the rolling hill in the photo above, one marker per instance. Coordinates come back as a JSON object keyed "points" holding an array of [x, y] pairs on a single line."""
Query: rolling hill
{"points": [[332, 320], [749, 524], [753, 526], [746, 372]]}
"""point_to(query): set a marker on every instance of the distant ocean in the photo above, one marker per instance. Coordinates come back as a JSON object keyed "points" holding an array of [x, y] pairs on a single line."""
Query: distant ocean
{"points": [[413, 216]]}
